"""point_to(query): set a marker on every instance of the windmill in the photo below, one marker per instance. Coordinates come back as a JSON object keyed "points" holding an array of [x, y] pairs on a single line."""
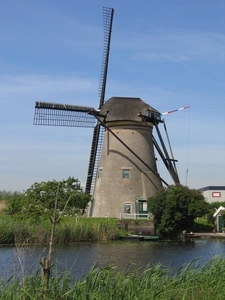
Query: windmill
{"points": [[122, 170]]}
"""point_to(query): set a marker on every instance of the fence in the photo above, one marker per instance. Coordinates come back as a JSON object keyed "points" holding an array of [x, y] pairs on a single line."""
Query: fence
{"points": [[134, 216]]}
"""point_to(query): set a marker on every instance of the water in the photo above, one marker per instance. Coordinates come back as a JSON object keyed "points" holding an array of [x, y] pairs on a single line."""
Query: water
{"points": [[79, 258]]}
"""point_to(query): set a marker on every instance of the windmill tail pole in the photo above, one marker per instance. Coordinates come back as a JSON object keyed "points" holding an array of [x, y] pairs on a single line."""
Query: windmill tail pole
{"points": [[171, 152], [171, 169]]}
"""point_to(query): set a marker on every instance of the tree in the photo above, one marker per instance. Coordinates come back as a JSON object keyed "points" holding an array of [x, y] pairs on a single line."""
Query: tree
{"points": [[39, 199], [5, 195], [175, 208], [15, 203]]}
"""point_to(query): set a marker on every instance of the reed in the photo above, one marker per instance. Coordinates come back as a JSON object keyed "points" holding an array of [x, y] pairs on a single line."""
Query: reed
{"points": [[16, 232], [154, 283], [69, 230], [7, 231], [82, 229]]}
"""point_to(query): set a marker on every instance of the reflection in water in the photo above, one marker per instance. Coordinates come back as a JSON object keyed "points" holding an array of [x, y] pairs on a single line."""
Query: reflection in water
{"points": [[79, 258]]}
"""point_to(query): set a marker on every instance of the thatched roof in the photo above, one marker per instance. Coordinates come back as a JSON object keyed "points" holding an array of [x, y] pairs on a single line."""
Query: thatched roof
{"points": [[125, 109]]}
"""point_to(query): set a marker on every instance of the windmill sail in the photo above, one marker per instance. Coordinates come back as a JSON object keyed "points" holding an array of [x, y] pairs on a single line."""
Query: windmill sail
{"points": [[98, 134], [54, 114], [107, 22]]}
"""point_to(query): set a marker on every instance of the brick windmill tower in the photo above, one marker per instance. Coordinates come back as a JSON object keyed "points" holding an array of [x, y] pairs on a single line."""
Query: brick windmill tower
{"points": [[122, 170]]}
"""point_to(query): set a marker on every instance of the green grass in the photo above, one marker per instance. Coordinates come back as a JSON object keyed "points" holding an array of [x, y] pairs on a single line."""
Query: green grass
{"points": [[154, 283], [69, 230], [202, 225]]}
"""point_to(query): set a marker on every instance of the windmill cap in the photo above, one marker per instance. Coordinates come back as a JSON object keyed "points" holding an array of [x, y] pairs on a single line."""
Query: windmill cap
{"points": [[125, 108]]}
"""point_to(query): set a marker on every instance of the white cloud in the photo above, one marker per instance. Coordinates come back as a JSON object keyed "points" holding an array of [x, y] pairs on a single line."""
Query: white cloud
{"points": [[174, 45], [44, 83]]}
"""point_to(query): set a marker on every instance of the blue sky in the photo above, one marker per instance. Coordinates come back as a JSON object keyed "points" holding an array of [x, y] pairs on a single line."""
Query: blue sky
{"points": [[168, 53]]}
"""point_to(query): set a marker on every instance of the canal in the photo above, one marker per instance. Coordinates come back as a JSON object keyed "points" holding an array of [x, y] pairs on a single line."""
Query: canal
{"points": [[79, 258]]}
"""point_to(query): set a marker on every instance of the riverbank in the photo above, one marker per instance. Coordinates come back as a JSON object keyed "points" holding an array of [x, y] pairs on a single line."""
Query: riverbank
{"points": [[79, 229], [204, 235], [69, 230]]}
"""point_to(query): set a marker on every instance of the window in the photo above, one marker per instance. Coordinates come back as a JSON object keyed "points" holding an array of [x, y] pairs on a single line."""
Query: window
{"points": [[126, 173], [99, 173], [143, 206], [127, 208]]}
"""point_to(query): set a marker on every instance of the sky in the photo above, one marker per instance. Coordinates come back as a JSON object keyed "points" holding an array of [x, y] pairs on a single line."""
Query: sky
{"points": [[168, 53]]}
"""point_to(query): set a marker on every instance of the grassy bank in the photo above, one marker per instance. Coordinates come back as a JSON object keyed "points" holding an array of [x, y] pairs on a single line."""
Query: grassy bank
{"points": [[69, 230], [202, 225], [72, 229], [191, 282]]}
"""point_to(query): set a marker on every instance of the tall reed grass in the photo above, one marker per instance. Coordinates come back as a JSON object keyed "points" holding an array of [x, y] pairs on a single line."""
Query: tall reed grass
{"points": [[69, 230], [154, 283]]}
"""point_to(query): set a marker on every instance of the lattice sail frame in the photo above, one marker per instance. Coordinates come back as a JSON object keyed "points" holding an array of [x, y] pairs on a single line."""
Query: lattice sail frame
{"points": [[54, 114]]}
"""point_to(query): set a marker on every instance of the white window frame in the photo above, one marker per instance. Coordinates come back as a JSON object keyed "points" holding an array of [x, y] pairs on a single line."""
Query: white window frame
{"points": [[100, 173], [126, 173], [127, 208]]}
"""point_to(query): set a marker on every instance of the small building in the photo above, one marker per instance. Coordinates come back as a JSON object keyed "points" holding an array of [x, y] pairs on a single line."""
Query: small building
{"points": [[219, 222], [213, 193]]}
